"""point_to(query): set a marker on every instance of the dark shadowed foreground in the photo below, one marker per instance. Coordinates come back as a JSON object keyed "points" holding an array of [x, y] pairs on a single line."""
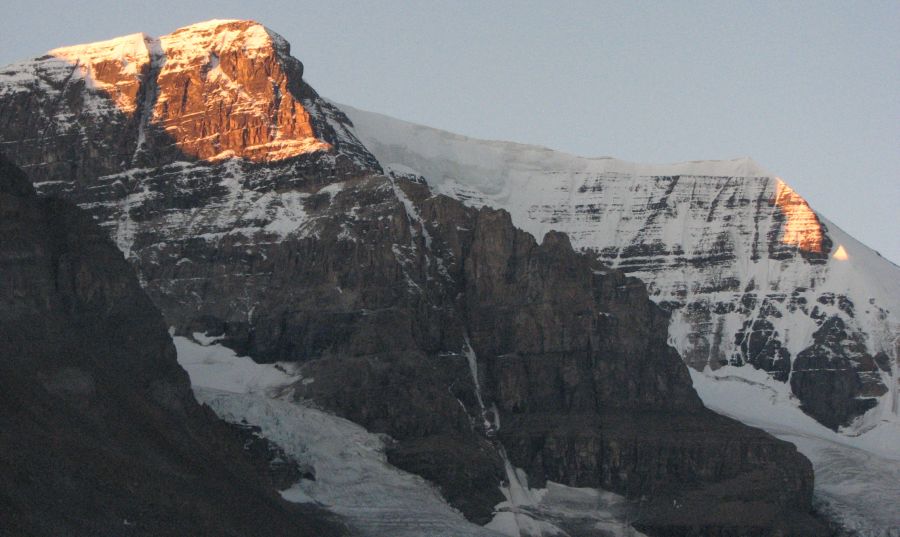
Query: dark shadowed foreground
{"points": [[99, 432]]}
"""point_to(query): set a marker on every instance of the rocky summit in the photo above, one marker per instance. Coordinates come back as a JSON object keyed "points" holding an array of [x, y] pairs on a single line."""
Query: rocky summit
{"points": [[492, 360]]}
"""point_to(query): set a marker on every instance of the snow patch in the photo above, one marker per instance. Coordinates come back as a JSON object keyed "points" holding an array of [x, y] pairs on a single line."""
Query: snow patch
{"points": [[215, 367]]}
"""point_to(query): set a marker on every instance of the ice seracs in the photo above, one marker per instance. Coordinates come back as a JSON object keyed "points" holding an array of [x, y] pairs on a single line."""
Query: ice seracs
{"points": [[353, 477]]}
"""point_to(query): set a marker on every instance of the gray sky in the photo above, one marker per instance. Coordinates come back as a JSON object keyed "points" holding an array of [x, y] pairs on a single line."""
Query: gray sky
{"points": [[810, 90]]}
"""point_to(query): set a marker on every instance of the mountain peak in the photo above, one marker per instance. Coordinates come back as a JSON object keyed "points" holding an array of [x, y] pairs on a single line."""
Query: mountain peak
{"points": [[226, 89], [214, 90], [219, 35]]}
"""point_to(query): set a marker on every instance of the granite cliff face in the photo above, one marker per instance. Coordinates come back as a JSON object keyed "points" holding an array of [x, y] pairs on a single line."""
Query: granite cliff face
{"points": [[99, 431], [751, 274], [257, 217]]}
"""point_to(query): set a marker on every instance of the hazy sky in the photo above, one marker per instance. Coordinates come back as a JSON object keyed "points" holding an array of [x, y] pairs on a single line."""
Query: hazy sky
{"points": [[810, 90]]}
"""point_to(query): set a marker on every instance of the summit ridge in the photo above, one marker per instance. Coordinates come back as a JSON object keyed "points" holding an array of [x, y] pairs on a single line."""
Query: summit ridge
{"points": [[209, 91]]}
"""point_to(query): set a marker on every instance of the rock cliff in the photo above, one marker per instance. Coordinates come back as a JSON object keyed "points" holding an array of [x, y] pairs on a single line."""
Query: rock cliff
{"points": [[99, 432], [209, 91]]}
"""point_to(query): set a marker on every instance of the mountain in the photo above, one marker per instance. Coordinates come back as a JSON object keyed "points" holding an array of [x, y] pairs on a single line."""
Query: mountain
{"points": [[775, 308], [750, 272], [99, 432], [262, 221]]}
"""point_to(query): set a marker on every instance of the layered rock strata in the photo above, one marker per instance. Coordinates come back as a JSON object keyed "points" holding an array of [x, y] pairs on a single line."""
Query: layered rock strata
{"points": [[750, 273]]}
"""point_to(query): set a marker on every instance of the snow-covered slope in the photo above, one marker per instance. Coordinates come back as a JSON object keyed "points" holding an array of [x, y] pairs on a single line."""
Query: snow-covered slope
{"points": [[751, 274]]}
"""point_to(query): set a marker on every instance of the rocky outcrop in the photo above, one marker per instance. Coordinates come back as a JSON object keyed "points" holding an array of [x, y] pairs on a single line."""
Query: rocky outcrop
{"points": [[588, 392], [197, 106], [836, 378], [99, 431], [442, 326]]}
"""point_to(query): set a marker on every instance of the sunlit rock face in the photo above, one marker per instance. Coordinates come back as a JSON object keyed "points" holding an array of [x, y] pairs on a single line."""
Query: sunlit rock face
{"points": [[751, 274], [116, 67], [206, 92], [801, 227], [224, 91]]}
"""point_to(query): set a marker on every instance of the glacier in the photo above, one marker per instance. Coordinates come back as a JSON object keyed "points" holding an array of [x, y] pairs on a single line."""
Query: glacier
{"points": [[353, 477]]}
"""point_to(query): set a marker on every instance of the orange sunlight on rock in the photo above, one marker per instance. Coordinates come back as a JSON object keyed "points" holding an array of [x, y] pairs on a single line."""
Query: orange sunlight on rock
{"points": [[115, 67], [801, 227], [218, 89]]}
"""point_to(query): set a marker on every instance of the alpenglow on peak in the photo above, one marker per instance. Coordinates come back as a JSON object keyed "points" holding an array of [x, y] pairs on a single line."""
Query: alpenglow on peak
{"points": [[217, 89]]}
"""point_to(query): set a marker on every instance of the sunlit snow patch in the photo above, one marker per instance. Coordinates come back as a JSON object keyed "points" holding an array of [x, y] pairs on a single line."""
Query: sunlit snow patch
{"points": [[841, 253]]}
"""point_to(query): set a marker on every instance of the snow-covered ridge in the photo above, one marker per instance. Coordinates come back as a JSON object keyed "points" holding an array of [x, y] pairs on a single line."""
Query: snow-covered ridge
{"points": [[444, 156], [748, 269], [216, 36]]}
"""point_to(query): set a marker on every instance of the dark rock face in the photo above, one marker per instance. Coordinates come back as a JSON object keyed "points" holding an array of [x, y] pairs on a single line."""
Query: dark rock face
{"points": [[835, 378], [442, 326], [99, 432], [573, 355]]}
